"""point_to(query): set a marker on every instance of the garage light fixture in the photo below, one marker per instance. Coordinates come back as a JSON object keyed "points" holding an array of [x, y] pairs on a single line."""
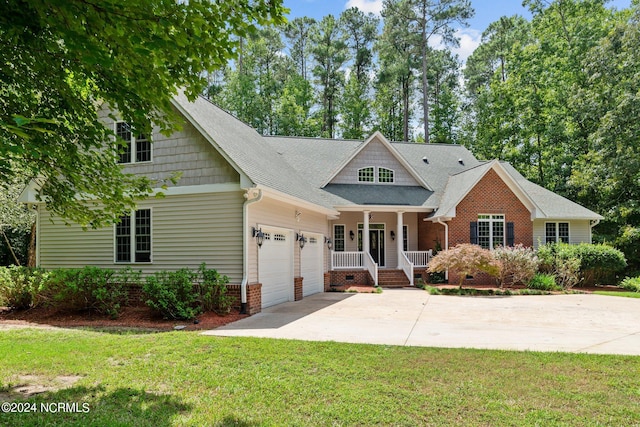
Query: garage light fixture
{"points": [[393, 235], [258, 234], [328, 242], [301, 240]]}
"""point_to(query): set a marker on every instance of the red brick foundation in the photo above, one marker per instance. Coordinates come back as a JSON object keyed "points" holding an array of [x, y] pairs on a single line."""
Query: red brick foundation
{"points": [[297, 288], [350, 277], [254, 297], [327, 281]]}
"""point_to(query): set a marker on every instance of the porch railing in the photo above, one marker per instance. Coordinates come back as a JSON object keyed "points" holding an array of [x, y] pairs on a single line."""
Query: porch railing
{"points": [[347, 260], [419, 258], [407, 267], [372, 267]]}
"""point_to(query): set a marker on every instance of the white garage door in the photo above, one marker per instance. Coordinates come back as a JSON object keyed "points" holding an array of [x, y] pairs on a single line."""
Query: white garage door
{"points": [[311, 265], [275, 266]]}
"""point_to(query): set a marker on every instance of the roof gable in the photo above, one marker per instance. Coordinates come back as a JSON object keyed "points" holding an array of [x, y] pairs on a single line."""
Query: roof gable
{"points": [[376, 151]]}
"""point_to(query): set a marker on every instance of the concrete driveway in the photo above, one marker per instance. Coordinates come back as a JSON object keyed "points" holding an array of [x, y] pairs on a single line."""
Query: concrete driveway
{"points": [[572, 323]]}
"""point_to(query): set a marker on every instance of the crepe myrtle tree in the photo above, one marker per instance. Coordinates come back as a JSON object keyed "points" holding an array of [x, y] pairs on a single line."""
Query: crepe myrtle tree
{"points": [[466, 260], [61, 60]]}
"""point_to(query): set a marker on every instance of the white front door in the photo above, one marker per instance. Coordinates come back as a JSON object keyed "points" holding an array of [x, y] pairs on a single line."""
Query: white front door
{"points": [[275, 266], [311, 264]]}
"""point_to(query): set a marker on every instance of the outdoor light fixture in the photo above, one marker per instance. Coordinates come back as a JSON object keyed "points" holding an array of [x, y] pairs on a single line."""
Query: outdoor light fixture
{"points": [[351, 234], [393, 235], [328, 242], [301, 240], [258, 234]]}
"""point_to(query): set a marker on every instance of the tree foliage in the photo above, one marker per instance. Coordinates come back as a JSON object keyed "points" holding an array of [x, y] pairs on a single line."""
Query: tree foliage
{"points": [[60, 60], [466, 260]]}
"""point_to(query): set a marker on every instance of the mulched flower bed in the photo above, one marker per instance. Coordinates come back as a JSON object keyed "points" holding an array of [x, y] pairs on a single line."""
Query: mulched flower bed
{"points": [[143, 318]]}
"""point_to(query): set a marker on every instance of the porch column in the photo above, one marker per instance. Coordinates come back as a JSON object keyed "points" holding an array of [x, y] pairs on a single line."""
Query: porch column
{"points": [[400, 237], [365, 233]]}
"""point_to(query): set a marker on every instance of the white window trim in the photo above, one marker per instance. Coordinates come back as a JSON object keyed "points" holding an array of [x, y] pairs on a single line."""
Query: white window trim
{"points": [[133, 145], [344, 237], [557, 228], [491, 220], [393, 175], [132, 239], [374, 175]]}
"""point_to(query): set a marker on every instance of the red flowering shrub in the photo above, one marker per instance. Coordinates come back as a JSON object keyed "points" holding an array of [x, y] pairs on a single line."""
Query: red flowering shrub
{"points": [[466, 260]]}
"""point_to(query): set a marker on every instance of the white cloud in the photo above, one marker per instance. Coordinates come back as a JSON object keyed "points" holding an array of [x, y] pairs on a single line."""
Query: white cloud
{"points": [[373, 6], [469, 41]]}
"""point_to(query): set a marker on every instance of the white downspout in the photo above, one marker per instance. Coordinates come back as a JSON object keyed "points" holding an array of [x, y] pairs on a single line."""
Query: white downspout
{"points": [[446, 242], [245, 248]]}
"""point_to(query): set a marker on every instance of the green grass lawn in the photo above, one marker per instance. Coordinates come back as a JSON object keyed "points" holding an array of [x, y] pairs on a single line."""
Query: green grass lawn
{"points": [[619, 294], [183, 378]]}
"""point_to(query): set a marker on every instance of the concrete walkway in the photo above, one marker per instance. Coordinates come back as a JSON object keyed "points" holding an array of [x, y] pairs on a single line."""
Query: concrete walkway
{"points": [[571, 323]]}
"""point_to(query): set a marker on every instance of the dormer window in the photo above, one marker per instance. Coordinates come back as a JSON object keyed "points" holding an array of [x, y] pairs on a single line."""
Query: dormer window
{"points": [[136, 149], [366, 174], [385, 175]]}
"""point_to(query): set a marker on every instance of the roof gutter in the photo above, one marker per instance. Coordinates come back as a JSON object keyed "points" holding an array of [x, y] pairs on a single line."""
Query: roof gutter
{"points": [[245, 245]]}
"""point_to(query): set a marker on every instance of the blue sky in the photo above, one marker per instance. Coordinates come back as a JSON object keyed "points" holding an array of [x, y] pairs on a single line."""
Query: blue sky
{"points": [[487, 11]]}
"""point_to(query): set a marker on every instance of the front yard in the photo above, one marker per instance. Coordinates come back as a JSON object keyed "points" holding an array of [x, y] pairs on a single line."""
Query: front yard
{"points": [[183, 378]]}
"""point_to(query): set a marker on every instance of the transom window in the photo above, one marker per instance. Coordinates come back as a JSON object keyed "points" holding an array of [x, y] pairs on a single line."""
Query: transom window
{"points": [[366, 174], [140, 145], [133, 237], [338, 238], [556, 232], [385, 175], [490, 231]]}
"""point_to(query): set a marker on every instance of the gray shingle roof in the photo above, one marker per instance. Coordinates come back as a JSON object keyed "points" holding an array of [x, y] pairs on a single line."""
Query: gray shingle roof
{"points": [[300, 167]]}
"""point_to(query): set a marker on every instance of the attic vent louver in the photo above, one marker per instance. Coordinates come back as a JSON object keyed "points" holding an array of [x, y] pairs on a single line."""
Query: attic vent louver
{"points": [[424, 159], [461, 161]]}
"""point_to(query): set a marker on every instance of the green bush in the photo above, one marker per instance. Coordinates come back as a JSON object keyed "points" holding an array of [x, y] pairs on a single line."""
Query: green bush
{"points": [[20, 285], [595, 263], [173, 294], [631, 284], [543, 282], [517, 264], [213, 291], [99, 290]]}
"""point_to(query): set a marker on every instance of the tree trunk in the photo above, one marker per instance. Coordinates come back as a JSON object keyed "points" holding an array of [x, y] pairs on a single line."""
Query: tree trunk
{"points": [[405, 109], [31, 253], [425, 80]]}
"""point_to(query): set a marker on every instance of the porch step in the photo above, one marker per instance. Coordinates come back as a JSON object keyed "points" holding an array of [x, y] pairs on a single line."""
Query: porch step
{"points": [[392, 279]]}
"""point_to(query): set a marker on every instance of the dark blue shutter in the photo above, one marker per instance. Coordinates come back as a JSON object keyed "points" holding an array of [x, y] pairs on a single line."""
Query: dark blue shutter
{"points": [[510, 234], [473, 233]]}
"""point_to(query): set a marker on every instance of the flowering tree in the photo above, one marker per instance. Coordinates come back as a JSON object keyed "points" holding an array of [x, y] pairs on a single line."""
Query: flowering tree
{"points": [[466, 259]]}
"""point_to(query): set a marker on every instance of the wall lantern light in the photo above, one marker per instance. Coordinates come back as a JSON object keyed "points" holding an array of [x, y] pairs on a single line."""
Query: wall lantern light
{"points": [[393, 235], [259, 235], [301, 240], [351, 234], [329, 243]]}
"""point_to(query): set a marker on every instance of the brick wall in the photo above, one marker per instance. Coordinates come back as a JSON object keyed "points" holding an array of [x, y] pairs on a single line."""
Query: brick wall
{"points": [[327, 281], [428, 233], [297, 288], [350, 277], [254, 297], [490, 196]]}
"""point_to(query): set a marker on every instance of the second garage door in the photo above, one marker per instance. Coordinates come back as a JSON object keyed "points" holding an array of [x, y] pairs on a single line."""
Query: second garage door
{"points": [[311, 264], [275, 266]]}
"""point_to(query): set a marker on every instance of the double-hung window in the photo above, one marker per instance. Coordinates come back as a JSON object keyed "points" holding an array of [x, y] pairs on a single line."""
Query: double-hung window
{"points": [[556, 232], [132, 149], [491, 231], [133, 237]]}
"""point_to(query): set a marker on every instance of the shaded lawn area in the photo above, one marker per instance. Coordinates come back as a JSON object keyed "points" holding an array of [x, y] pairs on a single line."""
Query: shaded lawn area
{"points": [[183, 378], [619, 294]]}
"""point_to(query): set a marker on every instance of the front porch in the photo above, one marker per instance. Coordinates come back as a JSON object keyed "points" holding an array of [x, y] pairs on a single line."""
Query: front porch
{"points": [[382, 245]]}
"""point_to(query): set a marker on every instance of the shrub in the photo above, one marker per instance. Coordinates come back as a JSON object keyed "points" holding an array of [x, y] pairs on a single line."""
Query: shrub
{"points": [[173, 294], [20, 285], [90, 288], [631, 284], [517, 264], [585, 262], [213, 291], [466, 260], [543, 282]]}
